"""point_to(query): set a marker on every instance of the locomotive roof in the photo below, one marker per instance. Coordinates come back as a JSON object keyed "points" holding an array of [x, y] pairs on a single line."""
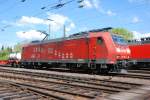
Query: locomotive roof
{"points": [[94, 30], [73, 36], [57, 39]]}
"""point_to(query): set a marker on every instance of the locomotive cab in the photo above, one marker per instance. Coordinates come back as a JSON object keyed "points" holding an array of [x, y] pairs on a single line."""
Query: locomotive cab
{"points": [[122, 49], [123, 53], [109, 52]]}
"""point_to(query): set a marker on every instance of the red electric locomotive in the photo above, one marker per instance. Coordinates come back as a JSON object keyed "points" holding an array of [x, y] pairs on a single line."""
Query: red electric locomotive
{"points": [[99, 50], [140, 51]]}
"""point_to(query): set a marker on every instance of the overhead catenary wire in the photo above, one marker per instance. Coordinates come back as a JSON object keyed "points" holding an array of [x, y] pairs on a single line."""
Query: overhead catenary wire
{"points": [[58, 5], [61, 4]]}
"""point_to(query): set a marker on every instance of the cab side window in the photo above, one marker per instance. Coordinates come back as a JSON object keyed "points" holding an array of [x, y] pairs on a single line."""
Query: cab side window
{"points": [[99, 40]]}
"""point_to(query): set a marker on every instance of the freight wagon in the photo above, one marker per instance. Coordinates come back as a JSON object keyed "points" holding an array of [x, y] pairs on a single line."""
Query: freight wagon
{"points": [[140, 51]]}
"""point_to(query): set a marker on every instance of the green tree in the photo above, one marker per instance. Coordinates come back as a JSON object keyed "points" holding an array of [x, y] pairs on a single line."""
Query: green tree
{"points": [[4, 53], [2, 48], [123, 32], [18, 47], [9, 49]]}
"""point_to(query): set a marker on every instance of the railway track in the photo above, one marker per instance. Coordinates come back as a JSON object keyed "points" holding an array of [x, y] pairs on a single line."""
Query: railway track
{"points": [[12, 91], [139, 71], [65, 87], [136, 73], [139, 75]]}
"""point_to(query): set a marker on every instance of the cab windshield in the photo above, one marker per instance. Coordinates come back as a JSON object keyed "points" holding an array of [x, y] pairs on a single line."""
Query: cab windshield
{"points": [[119, 39]]}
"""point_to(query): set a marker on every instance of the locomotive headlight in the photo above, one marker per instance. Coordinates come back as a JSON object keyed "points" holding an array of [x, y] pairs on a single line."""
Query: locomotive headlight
{"points": [[128, 51], [118, 49]]}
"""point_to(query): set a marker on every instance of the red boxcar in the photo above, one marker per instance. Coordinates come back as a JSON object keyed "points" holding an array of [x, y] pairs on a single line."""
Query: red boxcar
{"points": [[140, 50], [96, 49]]}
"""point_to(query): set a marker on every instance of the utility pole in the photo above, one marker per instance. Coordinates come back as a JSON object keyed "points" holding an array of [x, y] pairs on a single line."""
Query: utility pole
{"points": [[64, 28], [49, 28]]}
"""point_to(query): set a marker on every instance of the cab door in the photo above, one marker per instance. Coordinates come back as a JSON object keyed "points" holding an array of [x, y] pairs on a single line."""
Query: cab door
{"points": [[101, 49]]}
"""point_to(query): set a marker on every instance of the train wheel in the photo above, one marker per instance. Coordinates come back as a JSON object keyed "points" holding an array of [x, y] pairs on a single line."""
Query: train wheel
{"points": [[103, 69]]}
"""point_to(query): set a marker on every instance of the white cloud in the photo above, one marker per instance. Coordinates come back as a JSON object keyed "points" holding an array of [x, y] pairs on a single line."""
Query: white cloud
{"points": [[87, 4], [30, 35], [71, 26], [135, 20], [91, 4], [95, 4], [107, 12], [30, 20], [138, 35], [110, 13], [57, 21]]}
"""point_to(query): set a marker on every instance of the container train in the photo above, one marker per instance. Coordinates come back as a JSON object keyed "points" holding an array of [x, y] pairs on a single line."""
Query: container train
{"points": [[98, 50]]}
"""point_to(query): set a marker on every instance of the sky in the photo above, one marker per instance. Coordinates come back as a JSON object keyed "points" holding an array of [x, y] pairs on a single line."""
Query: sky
{"points": [[21, 20]]}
